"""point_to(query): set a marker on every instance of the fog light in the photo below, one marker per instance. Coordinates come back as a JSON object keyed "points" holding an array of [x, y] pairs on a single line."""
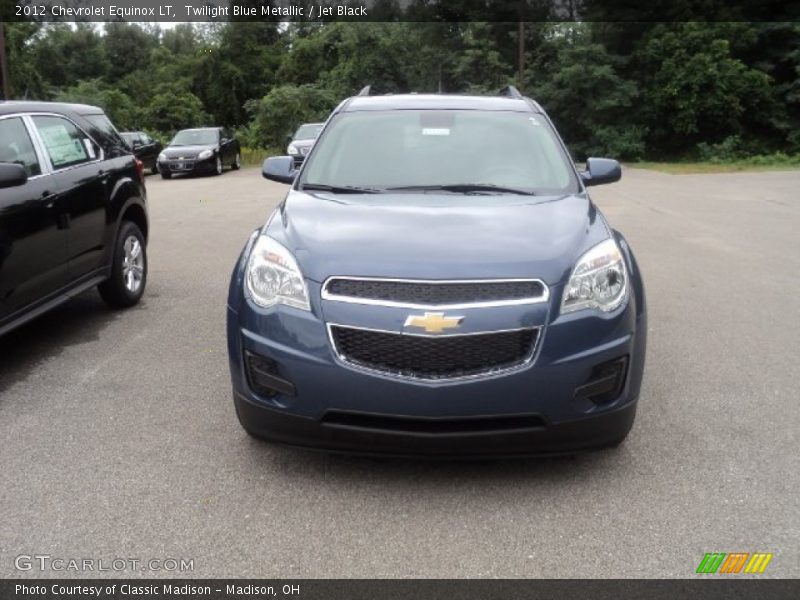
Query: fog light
{"points": [[264, 378], [605, 383]]}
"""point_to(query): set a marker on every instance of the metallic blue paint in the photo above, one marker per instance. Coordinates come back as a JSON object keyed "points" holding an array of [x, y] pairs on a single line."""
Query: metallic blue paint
{"points": [[570, 345], [438, 236]]}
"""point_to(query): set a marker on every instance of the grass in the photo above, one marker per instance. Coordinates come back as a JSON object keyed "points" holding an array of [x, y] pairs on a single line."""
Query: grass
{"points": [[770, 162], [254, 157]]}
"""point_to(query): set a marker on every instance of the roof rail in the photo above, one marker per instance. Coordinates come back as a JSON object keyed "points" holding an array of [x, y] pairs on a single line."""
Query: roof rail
{"points": [[510, 92], [365, 90]]}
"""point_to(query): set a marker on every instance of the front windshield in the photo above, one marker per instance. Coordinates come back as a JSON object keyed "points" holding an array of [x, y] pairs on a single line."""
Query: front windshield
{"points": [[195, 137], [429, 148], [308, 131]]}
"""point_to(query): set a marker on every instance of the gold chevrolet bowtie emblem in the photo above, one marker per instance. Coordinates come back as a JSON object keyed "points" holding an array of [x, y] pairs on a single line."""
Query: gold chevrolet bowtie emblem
{"points": [[433, 322]]}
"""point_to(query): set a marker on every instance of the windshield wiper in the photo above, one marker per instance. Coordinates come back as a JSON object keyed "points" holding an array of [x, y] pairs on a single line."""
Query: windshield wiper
{"points": [[462, 188], [339, 189]]}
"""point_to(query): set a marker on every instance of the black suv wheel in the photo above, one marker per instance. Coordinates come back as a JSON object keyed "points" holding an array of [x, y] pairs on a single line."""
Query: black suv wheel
{"points": [[128, 270]]}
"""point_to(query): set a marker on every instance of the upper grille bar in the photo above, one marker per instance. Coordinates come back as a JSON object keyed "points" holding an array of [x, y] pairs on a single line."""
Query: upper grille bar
{"points": [[435, 293]]}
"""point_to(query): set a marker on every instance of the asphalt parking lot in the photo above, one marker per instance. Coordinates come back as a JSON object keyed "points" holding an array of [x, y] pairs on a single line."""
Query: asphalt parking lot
{"points": [[119, 437]]}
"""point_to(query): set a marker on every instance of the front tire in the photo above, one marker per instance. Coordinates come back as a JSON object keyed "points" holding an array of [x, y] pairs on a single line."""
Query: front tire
{"points": [[218, 167], [237, 162], [166, 175], [128, 270], [154, 170]]}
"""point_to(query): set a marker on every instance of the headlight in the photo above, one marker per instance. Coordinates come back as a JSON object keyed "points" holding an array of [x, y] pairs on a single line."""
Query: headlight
{"points": [[599, 280], [205, 154], [292, 149], [273, 276], [162, 157]]}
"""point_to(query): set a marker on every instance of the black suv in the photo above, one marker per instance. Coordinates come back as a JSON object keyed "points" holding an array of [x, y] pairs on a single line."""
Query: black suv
{"points": [[72, 210]]}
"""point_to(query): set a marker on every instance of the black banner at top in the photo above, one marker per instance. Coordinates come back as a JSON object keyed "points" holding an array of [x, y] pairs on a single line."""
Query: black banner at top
{"points": [[399, 10]]}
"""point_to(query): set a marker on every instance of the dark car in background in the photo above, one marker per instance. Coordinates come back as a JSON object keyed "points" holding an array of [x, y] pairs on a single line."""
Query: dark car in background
{"points": [[203, 150], [72, 210], [438, 281], [144, 147], [302, 141]]}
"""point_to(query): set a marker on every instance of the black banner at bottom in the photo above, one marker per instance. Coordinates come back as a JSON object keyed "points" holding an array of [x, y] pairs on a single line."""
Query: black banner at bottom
{"points": [[390, 589]]}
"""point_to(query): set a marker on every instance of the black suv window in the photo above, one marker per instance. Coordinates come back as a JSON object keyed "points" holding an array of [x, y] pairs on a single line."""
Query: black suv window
{"points": [[108, 136], [65, 143], [16, 146]]}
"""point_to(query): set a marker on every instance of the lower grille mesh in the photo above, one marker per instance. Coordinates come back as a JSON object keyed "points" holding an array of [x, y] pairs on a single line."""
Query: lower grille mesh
{"points": [[433, 357]]}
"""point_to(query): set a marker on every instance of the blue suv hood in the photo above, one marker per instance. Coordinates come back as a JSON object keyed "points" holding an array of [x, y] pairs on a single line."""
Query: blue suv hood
{"points": [[437, 236]]}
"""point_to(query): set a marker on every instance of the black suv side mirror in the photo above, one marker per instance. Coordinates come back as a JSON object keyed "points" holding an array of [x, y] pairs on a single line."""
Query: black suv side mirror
{"points": [[279, 168], [601, 170], [12, 175]]}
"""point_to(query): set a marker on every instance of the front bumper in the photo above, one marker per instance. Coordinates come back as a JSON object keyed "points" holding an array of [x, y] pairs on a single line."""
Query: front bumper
{"points": [[534, 409], [188, 165], [594, 432]]}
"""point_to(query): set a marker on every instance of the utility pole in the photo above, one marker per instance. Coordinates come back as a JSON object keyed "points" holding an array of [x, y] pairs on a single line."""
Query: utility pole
{"points": [[520, 54], [4, 64]]}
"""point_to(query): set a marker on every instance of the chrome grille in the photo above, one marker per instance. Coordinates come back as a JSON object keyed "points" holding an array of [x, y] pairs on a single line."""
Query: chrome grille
{"points": [[417, 293]]}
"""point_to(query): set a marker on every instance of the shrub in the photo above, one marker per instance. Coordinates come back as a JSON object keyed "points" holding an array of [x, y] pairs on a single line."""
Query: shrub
{"points": [[278, 114]]}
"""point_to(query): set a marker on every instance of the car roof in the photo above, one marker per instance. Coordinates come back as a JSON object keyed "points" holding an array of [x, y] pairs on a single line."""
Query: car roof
{"points": [[439, 102], [8, 107]]}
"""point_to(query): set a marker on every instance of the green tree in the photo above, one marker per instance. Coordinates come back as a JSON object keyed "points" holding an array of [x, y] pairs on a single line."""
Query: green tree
{"points": [[582, 88], [174, 108], [278, 114], [238, 66], [62, 54], [127, 47], [479, 67], [117, 105], [26, 81], [696, 90]]}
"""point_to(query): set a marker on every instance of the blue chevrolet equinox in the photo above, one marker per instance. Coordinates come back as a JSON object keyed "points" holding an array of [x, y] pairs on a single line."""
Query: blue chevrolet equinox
{"points": [[437, 282]]}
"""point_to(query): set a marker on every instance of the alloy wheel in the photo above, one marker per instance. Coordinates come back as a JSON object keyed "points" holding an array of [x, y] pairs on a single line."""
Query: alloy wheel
{"points": [[132, 264]]}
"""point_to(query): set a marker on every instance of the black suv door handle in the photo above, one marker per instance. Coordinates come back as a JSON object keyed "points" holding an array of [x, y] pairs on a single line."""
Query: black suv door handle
{"points": [[49, 198]]}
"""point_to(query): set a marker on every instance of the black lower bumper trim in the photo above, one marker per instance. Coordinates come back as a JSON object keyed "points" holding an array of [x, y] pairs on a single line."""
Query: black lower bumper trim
{"points": [[590, 433]]}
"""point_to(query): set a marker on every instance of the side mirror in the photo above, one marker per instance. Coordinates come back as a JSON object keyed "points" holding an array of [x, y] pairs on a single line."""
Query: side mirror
{"points": [[12, 175], [601, 170], [279, 168]]}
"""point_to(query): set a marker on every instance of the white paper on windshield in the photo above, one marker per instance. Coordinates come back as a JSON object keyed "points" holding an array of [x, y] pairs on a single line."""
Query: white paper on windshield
{"points": [[435, 131], [62, 147]]}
